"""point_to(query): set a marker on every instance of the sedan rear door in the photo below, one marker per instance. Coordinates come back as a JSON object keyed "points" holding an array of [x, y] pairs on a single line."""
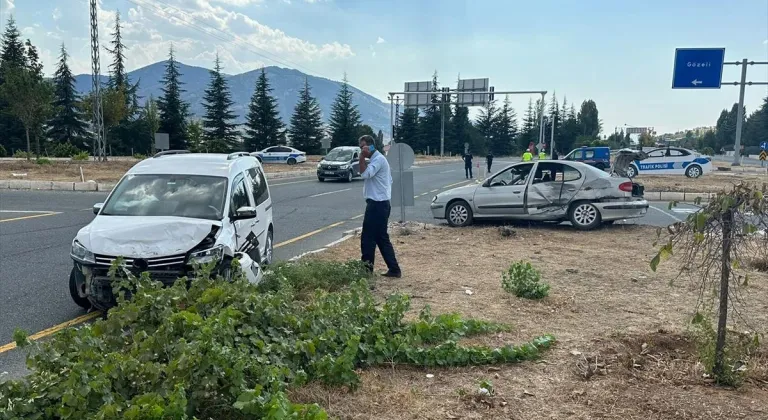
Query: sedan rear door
{"points": [[553, 187]]}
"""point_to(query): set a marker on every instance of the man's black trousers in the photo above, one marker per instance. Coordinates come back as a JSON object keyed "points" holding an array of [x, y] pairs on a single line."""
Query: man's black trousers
{"points": [[375, 235], [468, 171]]}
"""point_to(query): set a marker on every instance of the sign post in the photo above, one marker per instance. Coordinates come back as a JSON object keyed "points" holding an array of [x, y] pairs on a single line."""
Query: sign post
{"points": [[162, 141], [325, 143], [401, 156], [763, 153]]}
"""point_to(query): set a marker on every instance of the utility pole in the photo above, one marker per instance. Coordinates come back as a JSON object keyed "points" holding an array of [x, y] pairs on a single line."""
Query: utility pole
{"points": [[740, 114], [98, 113]]}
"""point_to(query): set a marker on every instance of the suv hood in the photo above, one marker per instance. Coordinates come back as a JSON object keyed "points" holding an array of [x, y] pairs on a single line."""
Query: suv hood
{"points": [[143, 237]]}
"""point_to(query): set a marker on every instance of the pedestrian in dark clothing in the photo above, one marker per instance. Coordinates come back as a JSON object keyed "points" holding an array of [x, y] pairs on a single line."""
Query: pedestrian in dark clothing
{"points": [[555, 156], [489, 161], [377, 190], [468, 165]]}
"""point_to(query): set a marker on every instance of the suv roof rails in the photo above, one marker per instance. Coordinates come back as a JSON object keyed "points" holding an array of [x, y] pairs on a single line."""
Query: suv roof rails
{"points": [[170, 152], [236, 155]]}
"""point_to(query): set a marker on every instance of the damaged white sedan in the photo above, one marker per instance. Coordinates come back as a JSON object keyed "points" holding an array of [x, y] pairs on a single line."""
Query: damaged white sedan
{"points": [[169, 214], [547, 191]]}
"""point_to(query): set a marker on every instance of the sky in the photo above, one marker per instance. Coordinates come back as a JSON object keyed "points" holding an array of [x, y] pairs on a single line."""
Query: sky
{"points": [[617, 53]]}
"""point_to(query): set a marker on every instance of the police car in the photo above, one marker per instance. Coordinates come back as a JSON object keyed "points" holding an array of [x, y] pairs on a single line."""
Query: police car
{"points": [[672, 161], [280, 154]]}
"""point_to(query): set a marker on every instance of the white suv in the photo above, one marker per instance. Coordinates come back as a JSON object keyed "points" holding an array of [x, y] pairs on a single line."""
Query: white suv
{"points": [[171, 212]]}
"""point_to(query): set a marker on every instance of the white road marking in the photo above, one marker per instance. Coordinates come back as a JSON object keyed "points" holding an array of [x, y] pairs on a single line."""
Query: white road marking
{"points": [[28, 211], [671, 216], [329, 192], [445, 172]]}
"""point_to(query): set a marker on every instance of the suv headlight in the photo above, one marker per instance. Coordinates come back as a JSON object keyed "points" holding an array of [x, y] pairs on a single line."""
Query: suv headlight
{"points": [[81, 253], [318, 165], [344, 167], [206, 256]]}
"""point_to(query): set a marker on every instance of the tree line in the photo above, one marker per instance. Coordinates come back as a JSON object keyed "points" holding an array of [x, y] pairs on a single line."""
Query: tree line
{"points": [[496, 128], [49, 117]]}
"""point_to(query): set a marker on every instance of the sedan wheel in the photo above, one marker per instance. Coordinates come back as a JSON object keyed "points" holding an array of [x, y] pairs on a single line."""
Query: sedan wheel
{"points": [[291, 161], [584, 216], [631, 171], [693, 171], [459, 214]]}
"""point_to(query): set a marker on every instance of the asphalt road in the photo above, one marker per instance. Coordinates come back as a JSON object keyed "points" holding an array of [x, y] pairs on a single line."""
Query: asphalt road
{"points": [[37, 227]]}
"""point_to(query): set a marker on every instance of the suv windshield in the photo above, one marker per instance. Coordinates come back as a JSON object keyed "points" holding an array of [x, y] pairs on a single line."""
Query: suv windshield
{"points": [[339, 155], [194, 196]]}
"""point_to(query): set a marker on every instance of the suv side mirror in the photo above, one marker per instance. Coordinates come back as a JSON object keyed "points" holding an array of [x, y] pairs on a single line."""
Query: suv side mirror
{"points": [[97, 208], [245, 212], [487, 183]]}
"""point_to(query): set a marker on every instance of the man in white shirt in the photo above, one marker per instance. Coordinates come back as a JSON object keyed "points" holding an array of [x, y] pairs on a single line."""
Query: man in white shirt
{"points": [[377, 190]]}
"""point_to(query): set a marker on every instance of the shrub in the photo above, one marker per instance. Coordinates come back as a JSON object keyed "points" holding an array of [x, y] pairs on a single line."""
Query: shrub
{"points": [[226, 350], [43, 161], [20, 154], [3, 152], [81, 156], [64, 150], [739, 347], [304, 277], [708, 151], [139, 156], [524, 281]]}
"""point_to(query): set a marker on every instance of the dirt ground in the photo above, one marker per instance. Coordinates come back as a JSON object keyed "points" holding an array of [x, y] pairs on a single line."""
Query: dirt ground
{"points": [[711, 182], [113, 170], [623, 351]]}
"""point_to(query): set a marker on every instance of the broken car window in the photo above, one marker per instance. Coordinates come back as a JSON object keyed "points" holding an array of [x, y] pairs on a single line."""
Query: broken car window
{"points": [[200, 197]]}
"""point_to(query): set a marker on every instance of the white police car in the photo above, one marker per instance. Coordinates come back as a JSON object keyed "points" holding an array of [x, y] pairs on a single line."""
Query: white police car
{"points": [[280, 154], [671, 161]]}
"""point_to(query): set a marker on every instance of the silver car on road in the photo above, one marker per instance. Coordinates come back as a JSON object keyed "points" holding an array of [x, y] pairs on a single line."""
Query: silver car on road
{"points": [[545, 190]]}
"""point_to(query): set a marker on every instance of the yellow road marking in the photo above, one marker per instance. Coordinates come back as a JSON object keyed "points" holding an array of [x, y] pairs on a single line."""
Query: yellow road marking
{"points": [[435, 190], [307, 235], [54, 329], [29, 217]]}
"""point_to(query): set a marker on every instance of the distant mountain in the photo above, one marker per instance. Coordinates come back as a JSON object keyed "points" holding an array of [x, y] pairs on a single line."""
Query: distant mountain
{"points": [[285, 83]]}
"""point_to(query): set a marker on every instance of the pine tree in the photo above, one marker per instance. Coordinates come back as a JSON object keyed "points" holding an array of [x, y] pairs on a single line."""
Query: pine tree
{"points": [[118, 78], [218, 121], [263, 125], [430, 124], [460, 127], [68, 123], [173, 111], [528, 135], [33, 61], [486, 123], [408, 127], [12, 57], [306, 128], [345, 118], [505, 132]]}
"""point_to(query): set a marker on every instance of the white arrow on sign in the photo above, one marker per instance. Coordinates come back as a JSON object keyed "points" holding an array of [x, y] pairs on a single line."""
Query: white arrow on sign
{"points": [[696, 82]]}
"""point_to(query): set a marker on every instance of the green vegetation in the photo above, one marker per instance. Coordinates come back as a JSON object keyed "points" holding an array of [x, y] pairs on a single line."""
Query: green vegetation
{"points": [[738, 349], [80, 156], [64, 150], [231, 350], [524, 281], [43, 161]]}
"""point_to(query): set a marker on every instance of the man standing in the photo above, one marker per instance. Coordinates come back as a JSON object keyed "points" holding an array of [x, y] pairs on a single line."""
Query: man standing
{"points": [[489, 160], [377, 190], [468, 164], [527, 156]]}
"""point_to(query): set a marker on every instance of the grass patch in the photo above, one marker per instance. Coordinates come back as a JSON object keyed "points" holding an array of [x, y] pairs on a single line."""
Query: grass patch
{"points": [[523, 280], [305, 277]]}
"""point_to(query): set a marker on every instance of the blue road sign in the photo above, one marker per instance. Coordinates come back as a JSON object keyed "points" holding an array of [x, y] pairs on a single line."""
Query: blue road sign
{"points": [[698, 68], [764, 145]]}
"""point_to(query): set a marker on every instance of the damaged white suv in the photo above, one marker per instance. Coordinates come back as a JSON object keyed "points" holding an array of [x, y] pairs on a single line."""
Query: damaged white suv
{"points": [[171, 212]]}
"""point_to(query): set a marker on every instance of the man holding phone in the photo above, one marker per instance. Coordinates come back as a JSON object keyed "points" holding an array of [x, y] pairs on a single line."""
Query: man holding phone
{"points": [[377, 190]]}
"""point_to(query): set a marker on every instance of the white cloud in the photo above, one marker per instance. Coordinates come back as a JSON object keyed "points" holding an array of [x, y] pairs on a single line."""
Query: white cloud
{"points": [[56, 14], [380, 40], [238, 3], [373, 51], [765, 42], [28, 31], [9, 6]]}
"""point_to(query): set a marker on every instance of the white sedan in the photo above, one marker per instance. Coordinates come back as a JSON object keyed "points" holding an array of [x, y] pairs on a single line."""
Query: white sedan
{"points": [[671, 161], [280, 154]]}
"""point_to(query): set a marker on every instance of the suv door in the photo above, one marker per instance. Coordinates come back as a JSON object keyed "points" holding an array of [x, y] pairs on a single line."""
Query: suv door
{"points": [[263, 203], [246, 239], [504, 194]]}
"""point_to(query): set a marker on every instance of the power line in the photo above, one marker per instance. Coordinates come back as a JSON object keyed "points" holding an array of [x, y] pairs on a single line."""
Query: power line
{"points": [[205, 29]]}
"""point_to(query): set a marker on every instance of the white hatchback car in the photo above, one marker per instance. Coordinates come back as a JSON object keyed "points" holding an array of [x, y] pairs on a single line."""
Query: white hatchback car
{"points": [[280, 154], [170, 213], [671, 161]]}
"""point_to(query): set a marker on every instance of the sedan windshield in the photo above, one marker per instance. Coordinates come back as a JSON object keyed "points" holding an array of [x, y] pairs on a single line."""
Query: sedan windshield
{"points": [[194, 196], [339, 156]]}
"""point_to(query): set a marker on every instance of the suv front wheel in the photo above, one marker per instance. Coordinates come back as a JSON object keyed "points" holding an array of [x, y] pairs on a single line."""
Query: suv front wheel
{"points": [[77, 288]]}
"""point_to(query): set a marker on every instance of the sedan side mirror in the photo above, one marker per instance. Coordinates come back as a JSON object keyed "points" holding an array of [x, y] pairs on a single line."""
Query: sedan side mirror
{"points": [[245, 212], [97, 208], [487, 183]]}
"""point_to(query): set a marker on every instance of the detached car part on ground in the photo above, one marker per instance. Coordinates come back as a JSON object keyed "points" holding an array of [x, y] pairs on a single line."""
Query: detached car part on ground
{"points": [[545, 191], [170, 214]]}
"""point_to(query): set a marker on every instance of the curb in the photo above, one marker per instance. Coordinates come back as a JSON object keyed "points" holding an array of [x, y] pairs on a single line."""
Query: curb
{"points": [[344, 237], [676, 196]]}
